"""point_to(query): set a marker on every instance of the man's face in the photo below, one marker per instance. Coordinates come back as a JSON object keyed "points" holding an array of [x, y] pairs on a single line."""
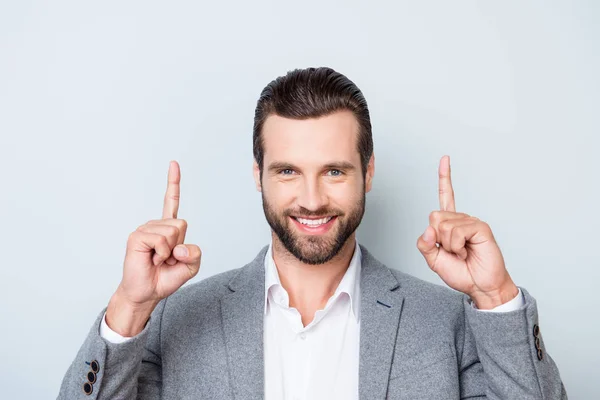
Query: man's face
{"points": [[312, 186]]}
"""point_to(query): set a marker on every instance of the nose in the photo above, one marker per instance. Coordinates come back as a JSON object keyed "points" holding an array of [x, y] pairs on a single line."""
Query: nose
{"points": [[312, 195]]}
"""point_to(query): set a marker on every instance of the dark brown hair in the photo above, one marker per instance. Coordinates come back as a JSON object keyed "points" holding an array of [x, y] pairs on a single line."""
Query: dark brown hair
{"points": [[312, 93]]}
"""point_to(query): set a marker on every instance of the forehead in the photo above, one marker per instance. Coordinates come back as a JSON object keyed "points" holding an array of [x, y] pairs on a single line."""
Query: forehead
{"points": [[329, 138]]}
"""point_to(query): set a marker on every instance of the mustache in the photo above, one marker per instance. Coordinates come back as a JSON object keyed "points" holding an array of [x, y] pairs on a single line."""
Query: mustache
{"points": [[304, 212]]}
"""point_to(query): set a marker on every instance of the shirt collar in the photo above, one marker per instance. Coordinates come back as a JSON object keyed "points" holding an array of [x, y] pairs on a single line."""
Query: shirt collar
{"points": [[350, 283]]}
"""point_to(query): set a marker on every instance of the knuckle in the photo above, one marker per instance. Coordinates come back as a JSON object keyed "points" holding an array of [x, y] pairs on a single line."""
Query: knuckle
{"points": [[482, 225], [488, 228], [433, 216], [195, 252], [162, 241], [420, 244], [181, 226], [133, 236], [445, 226], [456, 241], [458, 231], [173, 231]]}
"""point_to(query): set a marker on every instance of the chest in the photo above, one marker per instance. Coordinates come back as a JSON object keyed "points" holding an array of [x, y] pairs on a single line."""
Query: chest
{"points": [[320, 360]]}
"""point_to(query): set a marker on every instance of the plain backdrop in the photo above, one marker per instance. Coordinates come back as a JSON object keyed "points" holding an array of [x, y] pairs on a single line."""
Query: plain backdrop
{"points": [[97, 97]]}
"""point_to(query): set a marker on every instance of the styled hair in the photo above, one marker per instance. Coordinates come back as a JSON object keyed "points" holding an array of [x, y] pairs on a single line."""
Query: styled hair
{"points": [[312, 93]]}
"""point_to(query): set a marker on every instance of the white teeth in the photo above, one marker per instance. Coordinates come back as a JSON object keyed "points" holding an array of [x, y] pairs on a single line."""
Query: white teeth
{"points": [[314, 222]]}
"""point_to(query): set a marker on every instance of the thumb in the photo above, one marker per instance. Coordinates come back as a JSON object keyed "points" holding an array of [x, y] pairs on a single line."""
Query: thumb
{"points": [[189, 254], [427, 246]]}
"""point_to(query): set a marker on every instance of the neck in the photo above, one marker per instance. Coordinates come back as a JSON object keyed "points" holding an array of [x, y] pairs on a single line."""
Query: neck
{"points": [[310, 286]]}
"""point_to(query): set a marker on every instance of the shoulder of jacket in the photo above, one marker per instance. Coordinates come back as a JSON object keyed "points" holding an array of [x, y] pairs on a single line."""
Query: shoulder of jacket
{"points": [[209, 287], [421, 288]]}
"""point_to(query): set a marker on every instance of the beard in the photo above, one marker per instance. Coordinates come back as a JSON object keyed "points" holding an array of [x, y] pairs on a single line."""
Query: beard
{"points": [[314, 249]]}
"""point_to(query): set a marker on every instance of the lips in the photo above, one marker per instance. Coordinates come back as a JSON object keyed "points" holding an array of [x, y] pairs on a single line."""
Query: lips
{"points": [[314, 225], [313, 222]]}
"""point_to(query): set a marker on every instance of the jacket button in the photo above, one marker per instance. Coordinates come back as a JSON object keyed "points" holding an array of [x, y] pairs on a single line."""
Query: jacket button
{"points": [[95, 366], [540, 354], [87, 388], [537, 343], [91, 377], [536, 330]]}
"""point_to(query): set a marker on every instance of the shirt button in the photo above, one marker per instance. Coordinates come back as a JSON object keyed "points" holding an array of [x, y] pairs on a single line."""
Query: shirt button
{"points": [[303, 336]]}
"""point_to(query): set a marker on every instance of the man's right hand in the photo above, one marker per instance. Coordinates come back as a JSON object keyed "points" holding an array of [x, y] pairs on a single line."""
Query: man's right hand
{"points": [[154, 268]]}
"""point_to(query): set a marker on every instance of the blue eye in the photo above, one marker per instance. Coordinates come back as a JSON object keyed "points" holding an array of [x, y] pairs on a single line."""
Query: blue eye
{"points": [[286, 171], [336, 172]]}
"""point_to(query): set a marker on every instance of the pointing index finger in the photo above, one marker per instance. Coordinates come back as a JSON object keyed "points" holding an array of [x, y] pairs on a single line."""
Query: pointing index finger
{"points": [[171, 205], [445, 189]]}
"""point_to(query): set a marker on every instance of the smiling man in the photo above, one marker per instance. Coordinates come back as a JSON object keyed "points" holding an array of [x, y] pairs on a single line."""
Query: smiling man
{"points": [[315, 315]]}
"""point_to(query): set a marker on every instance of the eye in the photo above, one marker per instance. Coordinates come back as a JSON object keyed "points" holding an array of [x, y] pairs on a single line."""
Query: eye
{"points": [[286, 171], [336, 172]]}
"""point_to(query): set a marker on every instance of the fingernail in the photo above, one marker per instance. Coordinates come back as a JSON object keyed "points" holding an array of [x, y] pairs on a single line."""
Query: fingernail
{"points": [[427, 236], [181, 251]]}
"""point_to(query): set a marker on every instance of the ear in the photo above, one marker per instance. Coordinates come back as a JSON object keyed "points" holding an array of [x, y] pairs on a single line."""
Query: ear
{"points": [[370, 173], [256, 173]]}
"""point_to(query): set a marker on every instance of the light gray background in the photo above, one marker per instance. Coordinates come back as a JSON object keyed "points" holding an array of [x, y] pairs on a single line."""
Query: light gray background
{"points": [[96, 98]]}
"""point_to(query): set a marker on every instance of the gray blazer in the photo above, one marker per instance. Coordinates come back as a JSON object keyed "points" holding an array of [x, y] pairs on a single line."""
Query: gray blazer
{"points": [[417, 341]]}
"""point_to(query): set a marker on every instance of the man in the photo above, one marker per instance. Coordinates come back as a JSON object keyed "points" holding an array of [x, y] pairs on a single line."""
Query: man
{"points": [[315, 315]]}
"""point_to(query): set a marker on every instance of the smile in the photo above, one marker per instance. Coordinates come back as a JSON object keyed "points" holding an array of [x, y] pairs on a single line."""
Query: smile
{"points": [[314, 226], [313, 222]]}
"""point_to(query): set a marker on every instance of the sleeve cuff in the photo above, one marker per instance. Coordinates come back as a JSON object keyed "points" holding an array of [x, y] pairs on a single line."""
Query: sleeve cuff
{"points": [[511, 305], [109, 334]]}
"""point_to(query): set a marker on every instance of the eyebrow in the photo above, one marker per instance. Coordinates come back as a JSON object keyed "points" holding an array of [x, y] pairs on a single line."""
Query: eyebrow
{"points": [[344, 165], [341, 165]]}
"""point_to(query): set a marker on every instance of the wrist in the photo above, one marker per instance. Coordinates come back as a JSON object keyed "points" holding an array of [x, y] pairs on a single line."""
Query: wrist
{"points": [[495, 298], [126, 318]]}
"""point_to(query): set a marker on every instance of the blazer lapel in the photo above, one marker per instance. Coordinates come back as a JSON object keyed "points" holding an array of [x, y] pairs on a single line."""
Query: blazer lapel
{"points": [[242, 313], [380, 309]]}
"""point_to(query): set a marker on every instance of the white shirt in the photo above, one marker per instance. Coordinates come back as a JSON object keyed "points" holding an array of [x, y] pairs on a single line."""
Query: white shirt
{"points": [[319, 361]]}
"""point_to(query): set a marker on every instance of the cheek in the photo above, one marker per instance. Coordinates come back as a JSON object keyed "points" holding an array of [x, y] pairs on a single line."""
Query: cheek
{"points": [[345, 196], [279, 195]]}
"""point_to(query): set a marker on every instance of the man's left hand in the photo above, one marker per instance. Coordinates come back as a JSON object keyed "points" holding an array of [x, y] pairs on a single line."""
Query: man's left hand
{"points": [[468, 258]]}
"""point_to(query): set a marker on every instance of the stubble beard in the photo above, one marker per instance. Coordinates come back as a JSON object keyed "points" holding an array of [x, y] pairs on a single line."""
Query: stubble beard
{"points": [[314, 249]]}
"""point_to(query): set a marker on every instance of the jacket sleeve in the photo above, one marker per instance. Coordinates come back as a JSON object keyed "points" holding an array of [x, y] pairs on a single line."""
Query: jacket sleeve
{"points": [[125, 371], [504, 356]]}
